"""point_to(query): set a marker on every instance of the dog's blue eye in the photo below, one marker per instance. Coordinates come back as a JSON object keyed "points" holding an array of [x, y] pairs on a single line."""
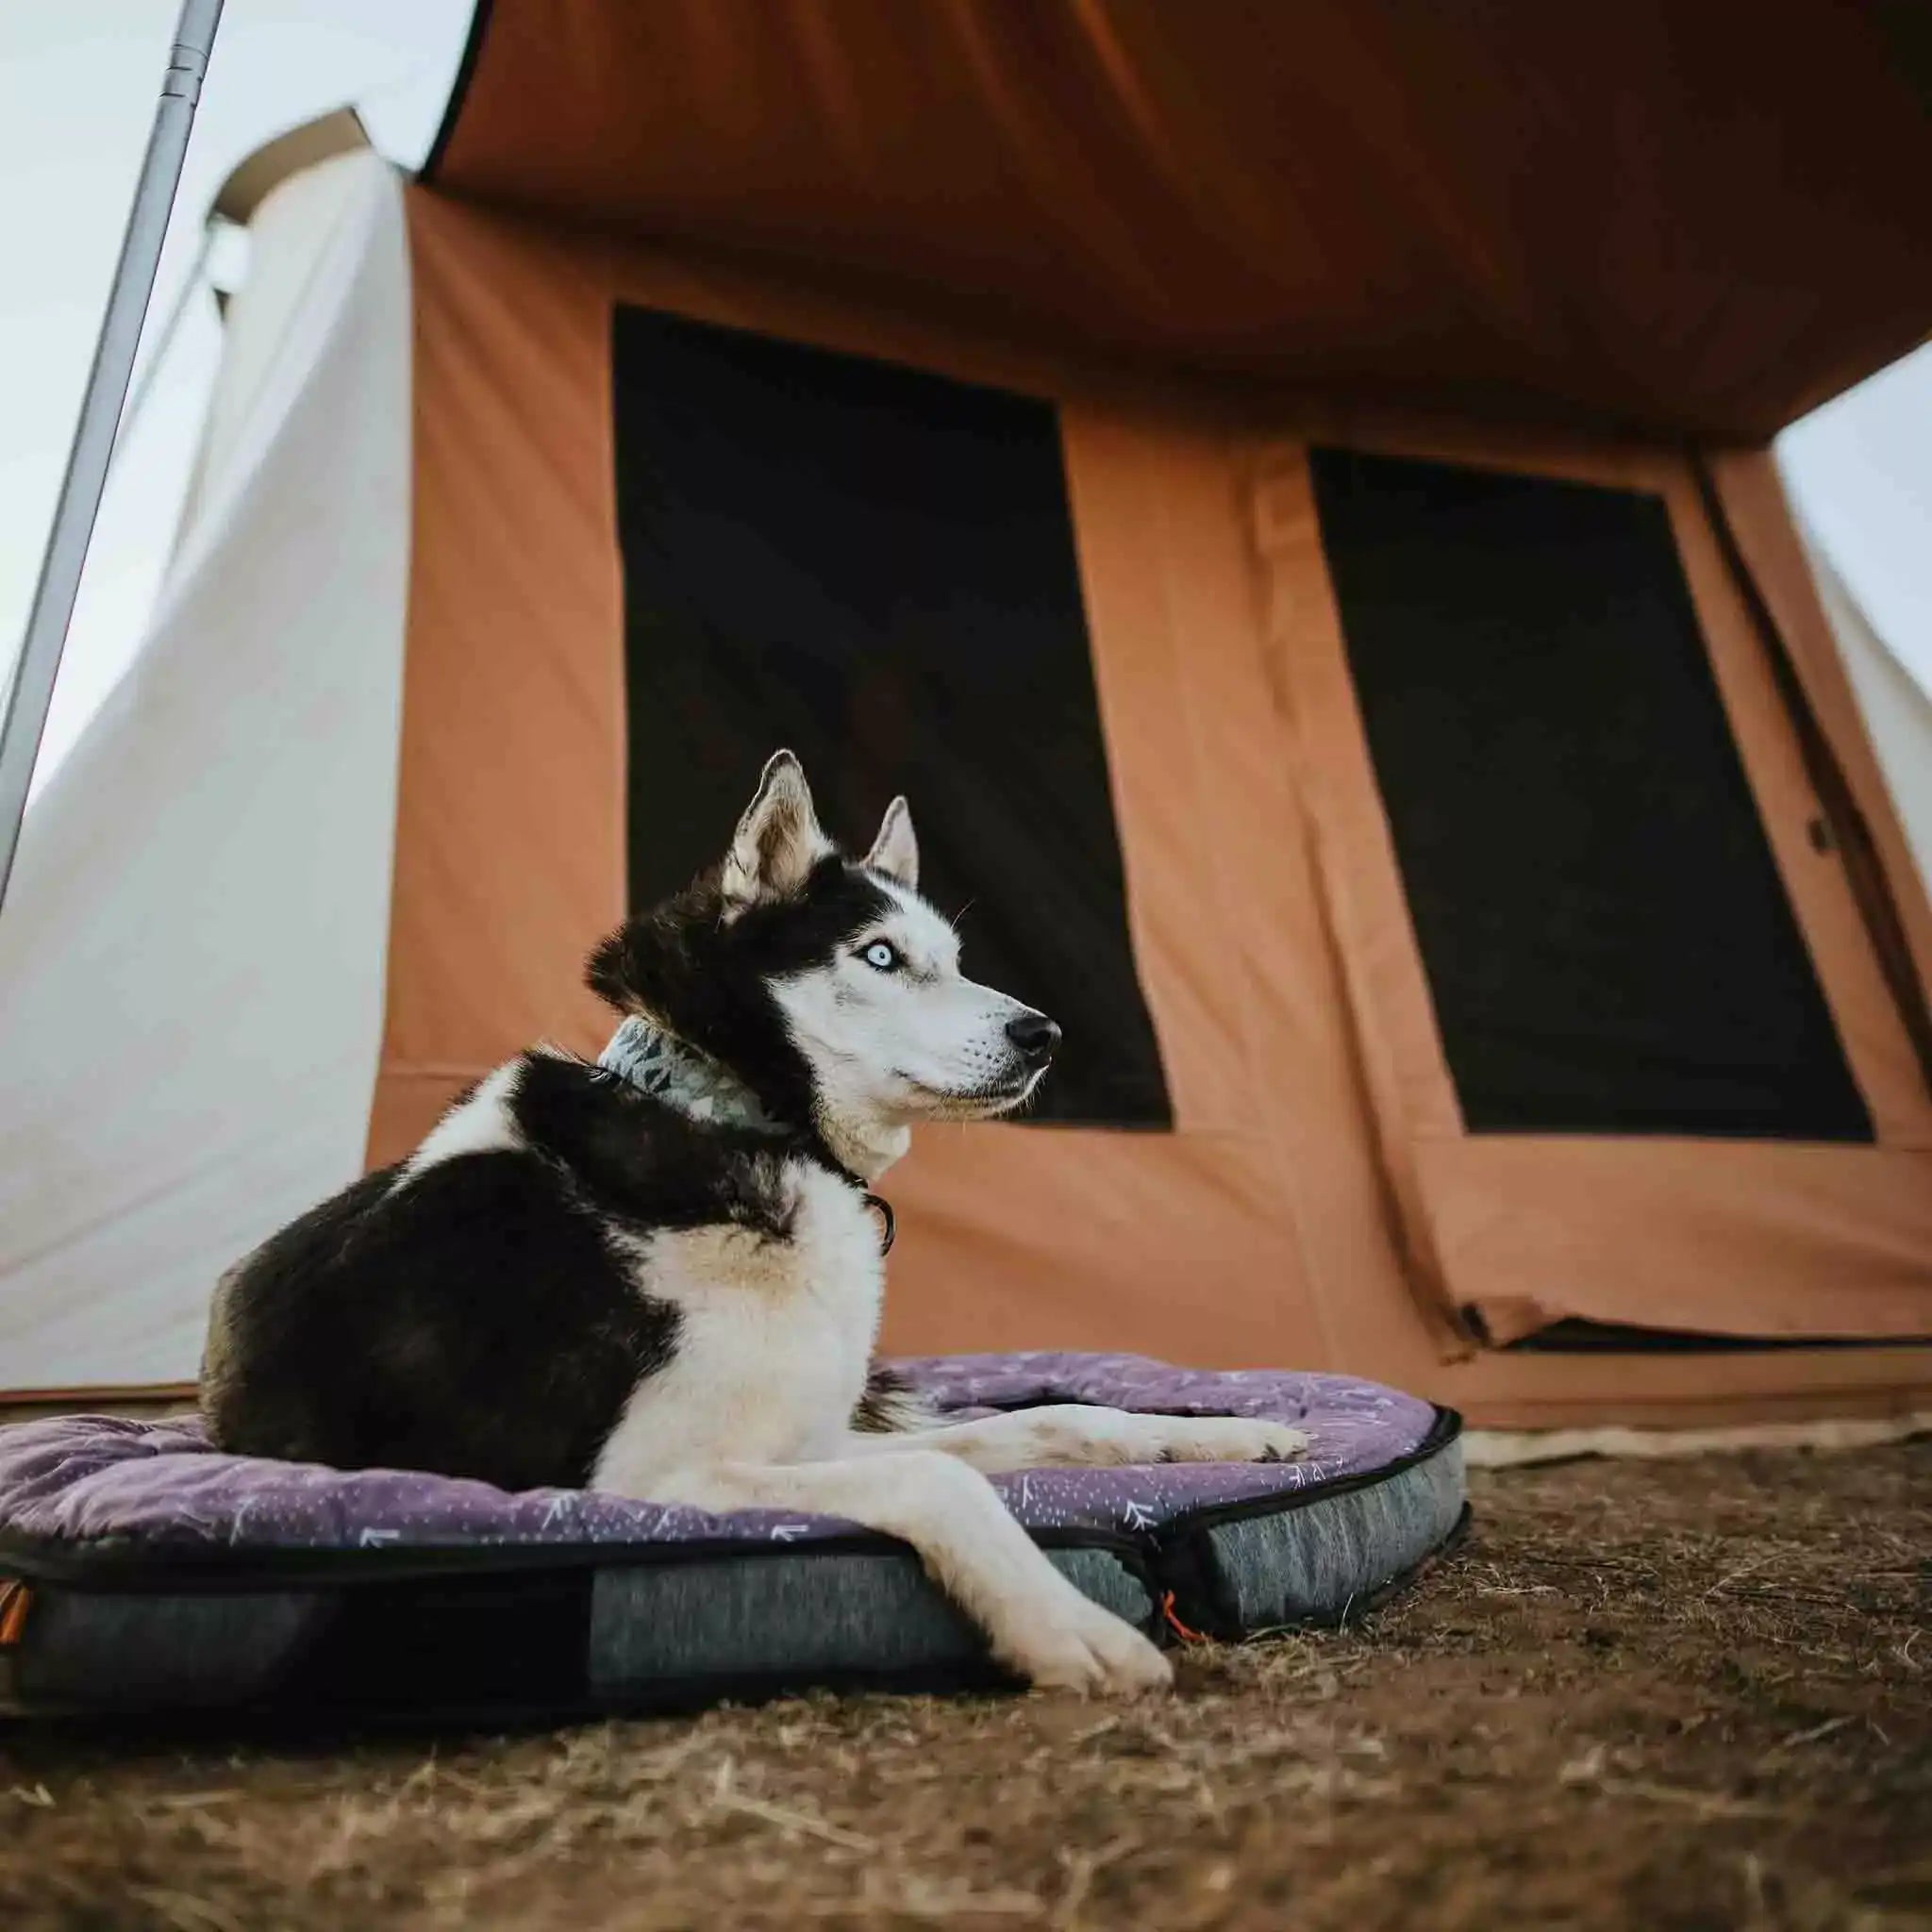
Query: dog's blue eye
{"points": [[881, 955]]}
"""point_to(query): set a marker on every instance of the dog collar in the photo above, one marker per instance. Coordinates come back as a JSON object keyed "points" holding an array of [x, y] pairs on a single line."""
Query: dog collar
{"points": [[663, 1066], [670, 1070]]}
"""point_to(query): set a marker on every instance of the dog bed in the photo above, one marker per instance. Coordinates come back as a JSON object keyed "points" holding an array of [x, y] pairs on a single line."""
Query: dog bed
{"points": [[140, 1569]]}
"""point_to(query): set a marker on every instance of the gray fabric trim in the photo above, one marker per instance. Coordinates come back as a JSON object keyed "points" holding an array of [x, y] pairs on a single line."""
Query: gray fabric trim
{"points": [[1308, 1564], [815, 1618], [84, 1652]]}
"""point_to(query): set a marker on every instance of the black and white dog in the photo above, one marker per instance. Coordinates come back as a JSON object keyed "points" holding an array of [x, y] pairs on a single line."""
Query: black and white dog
{"points": [[661, 1274]]}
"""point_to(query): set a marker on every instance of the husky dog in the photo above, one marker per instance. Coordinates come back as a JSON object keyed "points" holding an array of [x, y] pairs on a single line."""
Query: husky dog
{"points": [[662, 1276]]}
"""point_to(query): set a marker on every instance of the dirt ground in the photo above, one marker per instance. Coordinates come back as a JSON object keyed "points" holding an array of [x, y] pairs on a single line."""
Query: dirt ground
{"points": [[1647, 1695]]}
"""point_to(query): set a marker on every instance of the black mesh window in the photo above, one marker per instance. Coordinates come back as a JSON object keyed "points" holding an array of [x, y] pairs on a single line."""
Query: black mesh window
{"points": [[876, 567], [1607, 939]]}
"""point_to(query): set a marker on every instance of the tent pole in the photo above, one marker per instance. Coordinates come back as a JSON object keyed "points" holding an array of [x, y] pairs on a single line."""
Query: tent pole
{"points": [[79, 502]]}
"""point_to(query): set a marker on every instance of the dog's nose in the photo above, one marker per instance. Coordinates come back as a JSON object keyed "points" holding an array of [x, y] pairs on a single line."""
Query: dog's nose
{"points": [[1035, 1035]]}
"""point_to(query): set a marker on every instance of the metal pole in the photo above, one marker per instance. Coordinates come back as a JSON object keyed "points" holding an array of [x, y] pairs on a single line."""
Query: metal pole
{"points": [[79, 501]]}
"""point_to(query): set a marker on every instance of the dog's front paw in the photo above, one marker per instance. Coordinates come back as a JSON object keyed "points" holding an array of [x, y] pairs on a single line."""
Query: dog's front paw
{"points": [[1228, 1439], [1083, 1648]]}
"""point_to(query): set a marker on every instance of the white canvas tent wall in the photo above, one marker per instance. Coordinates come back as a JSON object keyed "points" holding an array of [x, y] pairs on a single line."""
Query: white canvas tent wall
{"points": [[191, 960], [191, 956]]}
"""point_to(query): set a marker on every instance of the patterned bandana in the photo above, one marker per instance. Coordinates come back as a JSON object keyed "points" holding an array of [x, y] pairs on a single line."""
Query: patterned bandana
{"points": [[656, 1063]]}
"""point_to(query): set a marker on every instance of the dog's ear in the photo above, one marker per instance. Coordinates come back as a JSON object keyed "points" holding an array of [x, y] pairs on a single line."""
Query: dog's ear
{"points": [[778, 842], [895, 851]]}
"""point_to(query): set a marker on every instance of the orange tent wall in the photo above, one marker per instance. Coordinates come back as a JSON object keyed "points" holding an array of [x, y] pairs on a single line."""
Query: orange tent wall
{"points": [[1318, 1202]]}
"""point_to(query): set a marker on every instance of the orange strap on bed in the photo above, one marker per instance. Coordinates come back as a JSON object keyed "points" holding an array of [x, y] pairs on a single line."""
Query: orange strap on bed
{"points": [[1175, 1623], [14, 1598]]}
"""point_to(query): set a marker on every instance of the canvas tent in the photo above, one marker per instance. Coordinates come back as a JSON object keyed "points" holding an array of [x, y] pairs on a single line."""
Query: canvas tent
{"points": [[1285, 493]]}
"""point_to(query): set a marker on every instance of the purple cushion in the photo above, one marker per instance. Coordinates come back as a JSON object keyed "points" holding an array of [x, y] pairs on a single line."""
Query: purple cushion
{"points": [[91, 1484]]}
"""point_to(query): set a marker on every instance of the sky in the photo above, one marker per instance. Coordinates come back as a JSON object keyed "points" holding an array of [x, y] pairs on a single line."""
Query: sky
{"points": [[77, 88], [79, 81]]}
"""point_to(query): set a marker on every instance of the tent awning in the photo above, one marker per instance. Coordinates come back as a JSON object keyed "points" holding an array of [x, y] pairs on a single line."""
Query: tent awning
{"points": [[1700, 220]]}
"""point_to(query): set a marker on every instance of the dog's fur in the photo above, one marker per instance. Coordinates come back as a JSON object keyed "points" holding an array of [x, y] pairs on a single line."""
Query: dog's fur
{"points": [[574, 1282]]}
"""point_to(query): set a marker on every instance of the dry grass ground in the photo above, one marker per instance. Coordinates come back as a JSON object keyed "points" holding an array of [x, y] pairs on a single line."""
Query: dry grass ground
{"points": [[1678, 1695]]}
